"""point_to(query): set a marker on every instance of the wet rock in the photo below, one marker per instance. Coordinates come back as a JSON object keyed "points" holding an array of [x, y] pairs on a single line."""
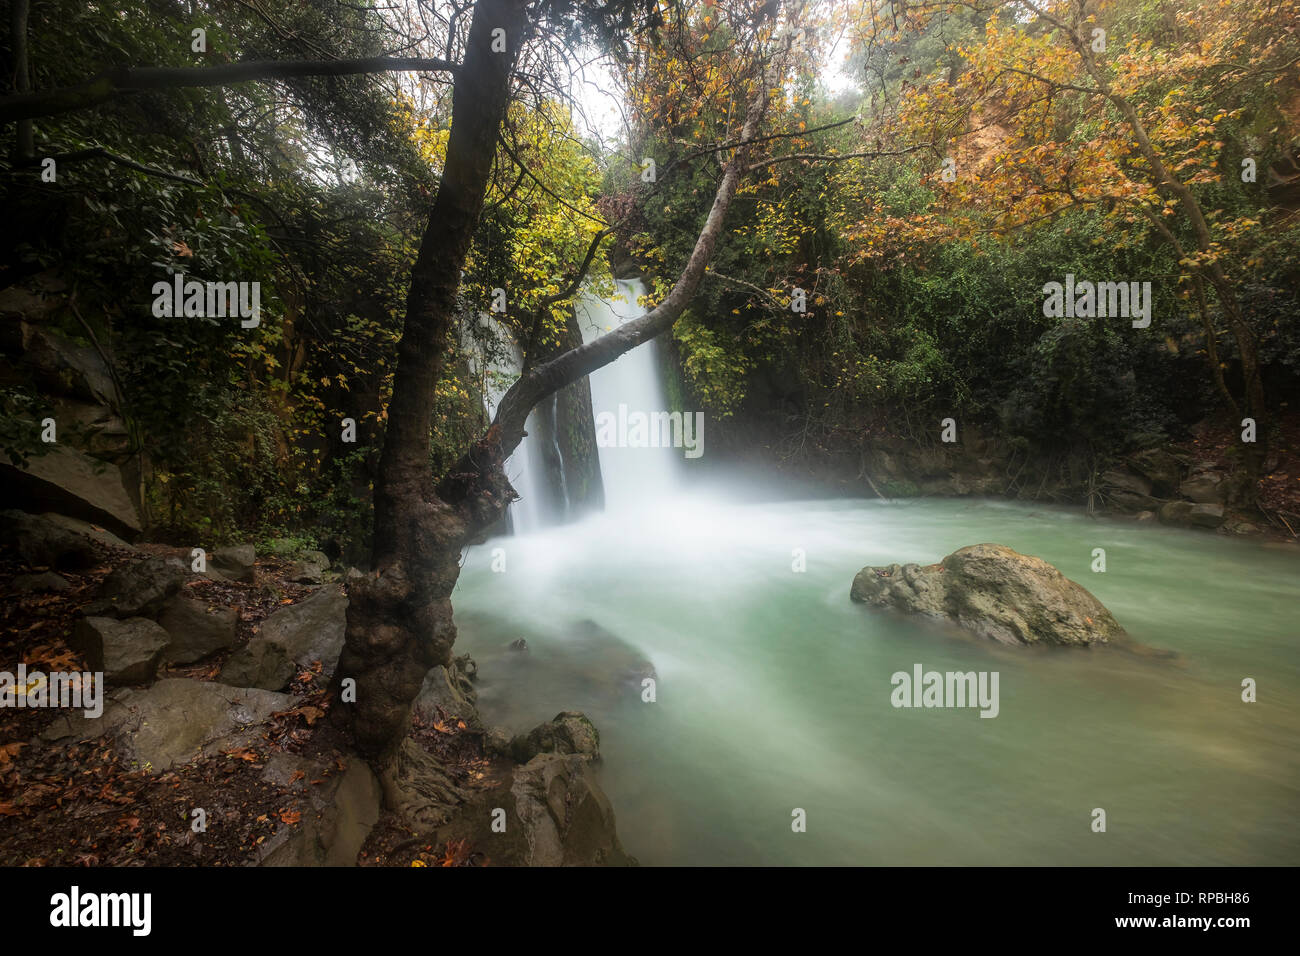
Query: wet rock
{"points": [[306, 572], [1145, 516], [496, 741], [447, 693], [71, 482], [1176, 513], [555, 815], [139, 589], [609, 667], [197, 630], [1205, 488], [294, 636], [995, 592], [46, 582], [569, 732], [1128, 491], [43, 543], [175, 721], [127, 652], [1189, 515], [233, 564], [1160, 466], [467, 667], [519, 645], [564, 817], [343, 810], [1206, 516]]}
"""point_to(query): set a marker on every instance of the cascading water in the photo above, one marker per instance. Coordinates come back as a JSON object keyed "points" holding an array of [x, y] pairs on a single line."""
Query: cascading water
{"points": [[632, 475]]}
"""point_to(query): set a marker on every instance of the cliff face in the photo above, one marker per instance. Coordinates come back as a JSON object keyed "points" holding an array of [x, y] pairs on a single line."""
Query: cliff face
{"points": [[68, 430]]}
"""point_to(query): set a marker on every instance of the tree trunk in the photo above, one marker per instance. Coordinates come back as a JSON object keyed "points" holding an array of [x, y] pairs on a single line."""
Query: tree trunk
{"points": [[399, 616]]}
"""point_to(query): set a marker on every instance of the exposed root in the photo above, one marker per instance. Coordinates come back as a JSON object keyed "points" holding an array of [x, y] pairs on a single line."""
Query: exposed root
{"points": [[418, 789]]}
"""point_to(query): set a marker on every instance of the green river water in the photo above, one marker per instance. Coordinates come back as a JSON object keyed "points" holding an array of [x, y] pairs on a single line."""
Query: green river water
{"points": [[773, 689]]}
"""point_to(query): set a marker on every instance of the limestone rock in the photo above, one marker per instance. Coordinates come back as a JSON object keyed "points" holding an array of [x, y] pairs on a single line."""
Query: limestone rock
{"points": [[196, 630], [127, 652], [343, 810], [175, 721], [565, 817], [995, 592], [447, 693], [233, 564], [42, 543], [46, 582], [294, 636], [1206, 515], [72, 482], [1204, 488], [555, 815], [569, 732], [263, 664], [137, 589]]}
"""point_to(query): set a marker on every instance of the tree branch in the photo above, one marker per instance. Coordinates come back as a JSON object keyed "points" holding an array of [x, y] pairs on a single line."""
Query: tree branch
{"points": [[564, 369], [119, 82]]}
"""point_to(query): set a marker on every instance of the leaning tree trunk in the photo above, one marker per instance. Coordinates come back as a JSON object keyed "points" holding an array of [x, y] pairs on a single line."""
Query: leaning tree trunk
{"points": [[399, 615]]}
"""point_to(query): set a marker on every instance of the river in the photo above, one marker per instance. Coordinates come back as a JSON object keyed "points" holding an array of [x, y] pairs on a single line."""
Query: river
{"points": [[773, 690]]}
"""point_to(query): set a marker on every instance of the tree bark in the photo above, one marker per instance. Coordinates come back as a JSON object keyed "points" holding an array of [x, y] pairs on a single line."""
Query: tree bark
{"points": [[399, 616]]}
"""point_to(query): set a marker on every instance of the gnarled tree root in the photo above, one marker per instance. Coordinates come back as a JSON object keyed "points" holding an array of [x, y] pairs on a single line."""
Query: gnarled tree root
{"points": [[417, 788]]}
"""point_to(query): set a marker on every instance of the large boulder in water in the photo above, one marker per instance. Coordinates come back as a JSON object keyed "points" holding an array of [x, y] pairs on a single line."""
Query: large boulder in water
{"points": [[997, 593]]}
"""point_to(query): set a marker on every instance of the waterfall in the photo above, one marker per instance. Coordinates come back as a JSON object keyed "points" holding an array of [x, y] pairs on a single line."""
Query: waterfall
{"points": [[497, 365], [631, 384], [631, 475]]}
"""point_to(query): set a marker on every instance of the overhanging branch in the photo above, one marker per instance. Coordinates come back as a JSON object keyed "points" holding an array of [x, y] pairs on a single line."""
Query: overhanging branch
{"points": [[120, 82]]}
